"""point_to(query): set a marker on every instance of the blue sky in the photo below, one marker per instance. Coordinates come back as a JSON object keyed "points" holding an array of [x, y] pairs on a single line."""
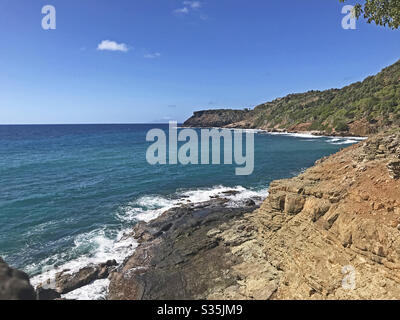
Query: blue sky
{"points": [[177, 56]]}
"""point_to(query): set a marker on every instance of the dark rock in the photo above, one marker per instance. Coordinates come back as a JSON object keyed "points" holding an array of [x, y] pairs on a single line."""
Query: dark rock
{"points": [[250, 203], [14, 284], [109, 263], [47, 294], [67, 282], [175, 263], [106, 268], [231, 192], [394, 169]]}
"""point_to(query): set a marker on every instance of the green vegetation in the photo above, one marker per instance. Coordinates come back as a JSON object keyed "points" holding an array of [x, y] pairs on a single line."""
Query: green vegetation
{"points": [[376, 100], [342, 126], [382, 12]]}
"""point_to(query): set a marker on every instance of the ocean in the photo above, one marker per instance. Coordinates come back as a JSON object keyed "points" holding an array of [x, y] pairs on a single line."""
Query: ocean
{"points": [[69, 193]]}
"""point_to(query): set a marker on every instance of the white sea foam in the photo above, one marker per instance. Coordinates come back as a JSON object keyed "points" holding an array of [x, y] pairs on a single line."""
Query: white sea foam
{"points": [[346, 141], [150, 207], [239, 199], [304, 135], [309, 135], [295, 135], [312, 136], [95, 291], [103, 247], [145, 209]]}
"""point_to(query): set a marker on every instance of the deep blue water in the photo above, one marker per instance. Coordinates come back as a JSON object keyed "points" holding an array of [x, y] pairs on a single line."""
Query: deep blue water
{"points": [[67, 191]]}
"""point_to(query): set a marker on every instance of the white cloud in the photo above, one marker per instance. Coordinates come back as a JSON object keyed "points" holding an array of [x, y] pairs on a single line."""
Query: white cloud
{"points": [[112, 46], [188, 6], [193, 4], [183, 10], [152, 55]]}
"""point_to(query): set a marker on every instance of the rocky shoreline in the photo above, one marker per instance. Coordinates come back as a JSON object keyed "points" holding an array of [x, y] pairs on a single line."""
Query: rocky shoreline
{"points": [[238, 126], [338, 219], [185, 217]]}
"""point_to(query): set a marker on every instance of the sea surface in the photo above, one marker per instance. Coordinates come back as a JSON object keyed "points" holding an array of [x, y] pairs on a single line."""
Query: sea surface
{"points": [[69, 193]]}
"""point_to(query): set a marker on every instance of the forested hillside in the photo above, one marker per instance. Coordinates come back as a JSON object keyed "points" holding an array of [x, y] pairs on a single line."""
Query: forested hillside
{"points": [[360, 108]]}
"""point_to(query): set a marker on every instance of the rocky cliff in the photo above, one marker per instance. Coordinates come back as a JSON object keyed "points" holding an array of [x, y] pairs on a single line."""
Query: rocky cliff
{"points": [[216, 118], [333, 232]]}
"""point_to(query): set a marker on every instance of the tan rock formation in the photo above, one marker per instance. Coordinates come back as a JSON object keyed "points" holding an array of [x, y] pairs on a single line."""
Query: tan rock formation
{"points": [[331, 233]]}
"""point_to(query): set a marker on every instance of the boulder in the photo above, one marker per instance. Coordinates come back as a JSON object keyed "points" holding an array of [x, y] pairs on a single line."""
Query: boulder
{"points": [[394, 169], [47, 294], [67, 282], [250, 203], [14, 284], [294, 204]]}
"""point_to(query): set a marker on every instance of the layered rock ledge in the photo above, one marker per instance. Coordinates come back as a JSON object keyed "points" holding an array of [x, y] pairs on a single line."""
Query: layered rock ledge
{"points": [[180, 255], [339, 219]]}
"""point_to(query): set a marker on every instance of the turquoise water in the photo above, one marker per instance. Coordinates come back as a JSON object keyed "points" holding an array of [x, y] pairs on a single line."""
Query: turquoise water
{"points": [[68, 192]]}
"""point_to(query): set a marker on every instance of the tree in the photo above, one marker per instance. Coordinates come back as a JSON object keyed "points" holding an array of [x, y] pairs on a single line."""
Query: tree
{"points": [[382, 12], [342, 127]]}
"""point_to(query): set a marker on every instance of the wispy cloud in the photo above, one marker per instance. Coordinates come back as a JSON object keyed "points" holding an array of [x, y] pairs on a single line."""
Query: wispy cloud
{"points": [[193, 4], [152, 55], [165, 119], [183, 10], [188, 6], [112, 46]]}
